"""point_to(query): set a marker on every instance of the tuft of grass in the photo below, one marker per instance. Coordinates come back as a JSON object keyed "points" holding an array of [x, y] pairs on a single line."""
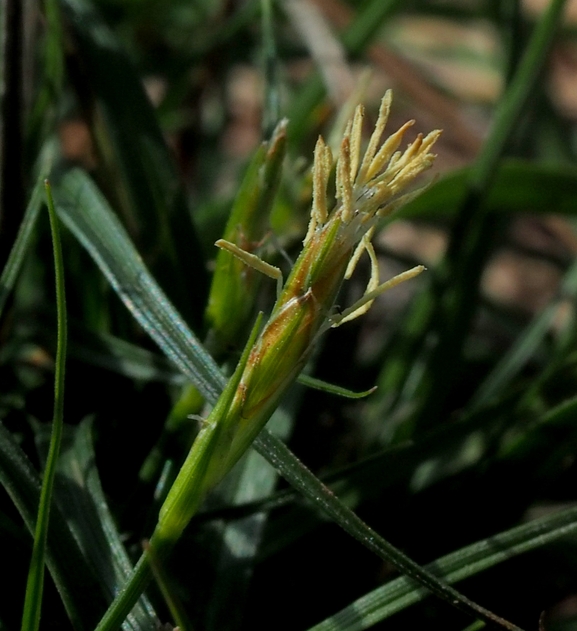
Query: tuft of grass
{"points": [[437, 431]]}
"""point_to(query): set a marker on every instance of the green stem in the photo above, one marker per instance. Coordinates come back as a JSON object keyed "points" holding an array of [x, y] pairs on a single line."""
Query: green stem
{"points": [[35, 582], [204, 466], [129, 594], [167, 590]]}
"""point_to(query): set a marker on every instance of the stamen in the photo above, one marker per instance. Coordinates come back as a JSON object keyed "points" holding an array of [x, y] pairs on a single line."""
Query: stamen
{"points": [[253, 261], [371, 285], [345, 189], [356, 138], [386, 152], [361, 247], [320, 178], [369, 297], [376, 136], [328, 160], [429, 140], [355, 259]]}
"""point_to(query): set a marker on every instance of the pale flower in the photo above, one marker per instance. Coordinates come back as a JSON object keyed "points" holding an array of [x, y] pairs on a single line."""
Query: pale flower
{"points": [[367, 190]]}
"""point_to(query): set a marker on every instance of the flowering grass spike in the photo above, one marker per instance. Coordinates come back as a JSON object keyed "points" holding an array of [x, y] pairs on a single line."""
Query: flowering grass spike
{"points": [[368, 188]]}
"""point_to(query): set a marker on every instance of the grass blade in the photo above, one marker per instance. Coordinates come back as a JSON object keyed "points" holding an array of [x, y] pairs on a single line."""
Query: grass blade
{"points": [[78, 588], [456, 296], [80, 497], [12, 189], [367, 22], [302, 479], [510, 108], [168, 593], [35, 583], [234, 289], [86, 212], [525, 345], [401, 593], [331, 388], [271, 114], [520, 186], [20, 246], [124, 358]]}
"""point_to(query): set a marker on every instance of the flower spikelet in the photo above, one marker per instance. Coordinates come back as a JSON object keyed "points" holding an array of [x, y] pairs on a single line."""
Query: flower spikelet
{"points": [[368, 188]]}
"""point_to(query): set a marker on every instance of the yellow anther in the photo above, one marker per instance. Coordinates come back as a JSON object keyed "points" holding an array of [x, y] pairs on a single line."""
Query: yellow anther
{"points": [[252, 260], [354, 311]]}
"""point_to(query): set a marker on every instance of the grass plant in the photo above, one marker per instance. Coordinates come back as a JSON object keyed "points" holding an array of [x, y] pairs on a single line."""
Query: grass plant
{"points": [[239, 451]]}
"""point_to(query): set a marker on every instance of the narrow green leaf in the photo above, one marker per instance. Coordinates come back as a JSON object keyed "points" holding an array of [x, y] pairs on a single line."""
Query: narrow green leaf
{"points": [[86, 212], [81, 499], [301, 478], [234, 286], [41, 120], [122, 357], [445, 451], [168, 593], [370, 17], [271, 114], [78, 588], [12, 187], [562, 413], [35, 582], [519, 186], [516, 95], [401, 593], [416, 464], [456, 296], [203, 467], [525, 345], [319, 384], [22, 242]]}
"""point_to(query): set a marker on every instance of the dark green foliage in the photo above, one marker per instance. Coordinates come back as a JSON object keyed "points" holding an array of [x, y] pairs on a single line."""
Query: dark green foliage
{"points": [[464, 454]]}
